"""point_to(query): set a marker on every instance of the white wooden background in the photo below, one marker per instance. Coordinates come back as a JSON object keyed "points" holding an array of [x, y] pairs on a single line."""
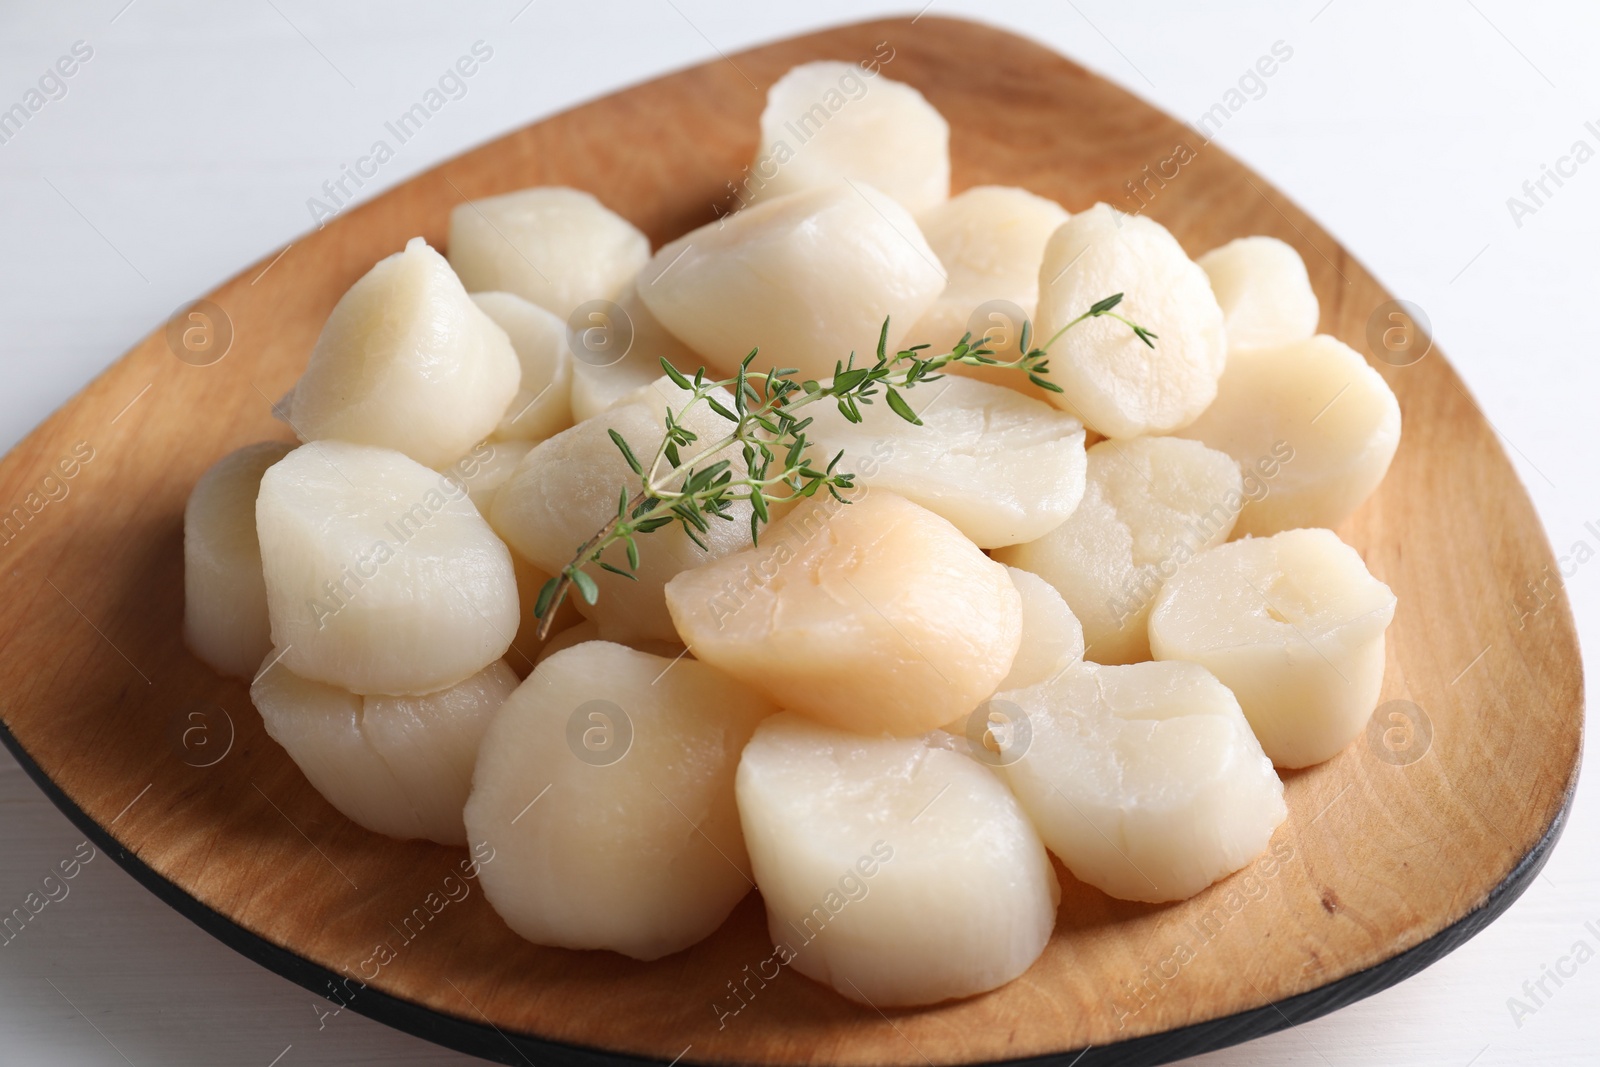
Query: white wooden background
{"points": [[188, 144]]}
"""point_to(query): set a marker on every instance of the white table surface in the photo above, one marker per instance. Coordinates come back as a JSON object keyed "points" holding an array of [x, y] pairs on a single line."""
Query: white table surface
{"points": [[187, 146]]}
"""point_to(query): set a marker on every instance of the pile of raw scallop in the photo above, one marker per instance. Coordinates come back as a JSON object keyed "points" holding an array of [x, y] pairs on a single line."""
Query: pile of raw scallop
{"points": [[1088, 623]]}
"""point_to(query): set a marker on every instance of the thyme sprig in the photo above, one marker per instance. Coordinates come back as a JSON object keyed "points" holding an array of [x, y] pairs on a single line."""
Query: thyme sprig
{"points": [[685, 481]]}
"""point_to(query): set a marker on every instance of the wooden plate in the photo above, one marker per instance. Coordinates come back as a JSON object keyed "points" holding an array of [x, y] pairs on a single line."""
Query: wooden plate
{"points": [[1394, 853]]}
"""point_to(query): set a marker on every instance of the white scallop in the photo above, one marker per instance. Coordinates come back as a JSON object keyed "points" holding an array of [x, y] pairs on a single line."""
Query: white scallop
{"points": [[543, 404], [600, 376], [486, 468], [1264, 291], [830, 121], [876, 616], [1112, 380], [407, 361], [400, 766], [381, 576], [567, 488], [1052, 637], [605, 787], [897, 871], [1294, 625], [807, 278], [224, 596], [1144, 779], [1052, 641], [552, 246], [1003, 467], [991, 241], [1317, 406], [576, 634], [1151, 504]]}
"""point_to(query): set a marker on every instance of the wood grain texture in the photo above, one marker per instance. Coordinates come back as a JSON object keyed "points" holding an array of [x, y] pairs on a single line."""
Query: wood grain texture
{"points": [[1377, 857]]}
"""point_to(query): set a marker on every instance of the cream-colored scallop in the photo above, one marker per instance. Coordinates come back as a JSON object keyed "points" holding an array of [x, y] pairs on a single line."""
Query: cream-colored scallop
{"points": [[1264, 291], [1318, 402], [1151, 504], [829, 121], [1113, 381], [875, 616], [1144, 779], [605, 786], [553, 246], [543, 404], [381, 576], [1003, 467], [898, 871], [807, 278], [601, 376], [486, 468], [567, 488], [400, 766], [1052, 641], [1294, 625], [577, 634], [589, 631], [407, 361], [224, 596], [991, 241], [1052, 636]]}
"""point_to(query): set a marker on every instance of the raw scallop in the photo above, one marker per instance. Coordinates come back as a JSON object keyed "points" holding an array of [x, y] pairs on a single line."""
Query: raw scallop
{"points": [[407, 361], [486, 468], [829, 121], [381, 576], [1145, 779], [400, 766], [1003, 467], [1151, 504], [1052, 637], [543, 404], [873, 616], [1264, 291], [1320, 401], [605, 787], [897, 871], [600, 376], [1294, 625], [991, 240], [553, 246], [1111, 380], [224, 596], [806, 278]]}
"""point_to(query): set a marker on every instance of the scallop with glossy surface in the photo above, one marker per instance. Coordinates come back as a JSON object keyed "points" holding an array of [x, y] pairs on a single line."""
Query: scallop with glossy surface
{"points": [[898, 871], [605, 786]]}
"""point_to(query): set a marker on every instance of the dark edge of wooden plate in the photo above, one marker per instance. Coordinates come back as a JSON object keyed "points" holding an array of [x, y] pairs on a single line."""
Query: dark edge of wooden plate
{"points": [[490, 1043]]}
